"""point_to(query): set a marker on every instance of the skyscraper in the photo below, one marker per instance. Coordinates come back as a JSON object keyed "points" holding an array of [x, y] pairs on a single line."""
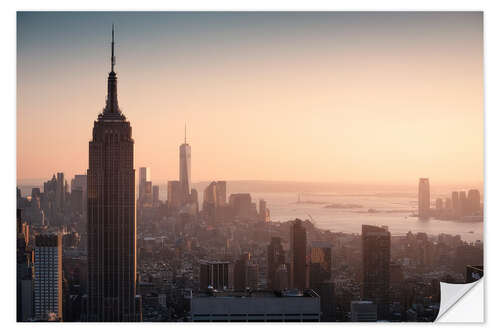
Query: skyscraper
{"points": [[321, 264], [111, 213], [474, 198], [174, 194], [424, 198], [275, 259], [214, 274], [220, 189], [185, 169], [298, 243], [455, 202], [144, 178], [156, 196], [376, 256], [60, 191], [47, 282]]}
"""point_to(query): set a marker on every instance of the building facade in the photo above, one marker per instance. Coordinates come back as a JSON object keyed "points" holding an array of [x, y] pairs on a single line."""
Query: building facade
{"points": [[424, 198], [111, 214], [47, 282], [298, 248], [376, 256]]}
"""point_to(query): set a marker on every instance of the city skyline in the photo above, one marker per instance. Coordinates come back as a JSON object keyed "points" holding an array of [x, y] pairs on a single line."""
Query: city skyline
{"points": [[448, 140]]}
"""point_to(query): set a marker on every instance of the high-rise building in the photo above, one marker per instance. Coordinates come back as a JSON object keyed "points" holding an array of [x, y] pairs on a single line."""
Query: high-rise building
{"points": [[241, 205], [111, 213], [326, 292], [144, 176], [424, 198], [298, 245], [240, 272], [275, 259], [194, 199], [455, 203], [80, 182], [376, 256], [263, 211], [214, 274], [474, 199], [47, 282], [77, 200], [156, 196], [321, 264], [174, 194], [60, 192], [220, 193], [185, 169], [462, 203]]}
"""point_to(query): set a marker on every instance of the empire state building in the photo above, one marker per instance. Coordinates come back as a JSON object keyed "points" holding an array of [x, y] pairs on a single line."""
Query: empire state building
{"points": [[111, 213]]}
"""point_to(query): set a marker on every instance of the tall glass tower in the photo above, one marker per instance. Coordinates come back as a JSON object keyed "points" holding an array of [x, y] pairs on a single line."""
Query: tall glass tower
{"points": [[111, 213], [185, 169]]}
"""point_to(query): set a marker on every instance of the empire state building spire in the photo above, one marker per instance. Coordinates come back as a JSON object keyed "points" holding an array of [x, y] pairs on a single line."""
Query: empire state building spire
{"points": [[112, 108]]}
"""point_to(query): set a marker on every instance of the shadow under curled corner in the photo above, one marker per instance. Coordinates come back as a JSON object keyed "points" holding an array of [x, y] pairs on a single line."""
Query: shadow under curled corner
{"points": [[461, 303]]}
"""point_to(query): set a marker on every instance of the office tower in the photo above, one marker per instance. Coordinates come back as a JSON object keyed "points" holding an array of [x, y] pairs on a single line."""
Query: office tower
{"points": [[298, 244], [174, 194], [24, 283], [455, 203], [77, 201], [60, 192], [240, 272], [474, 202], [321, 264], [214, 274], [47, 283], [363, 311], [147, 199], [281, 278], [462, 203], [220, 193], [263, 211], [144, 176], [80, 181], [376, 256], [156, 196], [35, 192], [275, 259], [185, 169], [326, 292], [194, 199], [241, 205], [252, 275], [111, 213], [424, 198], [210, 195]]}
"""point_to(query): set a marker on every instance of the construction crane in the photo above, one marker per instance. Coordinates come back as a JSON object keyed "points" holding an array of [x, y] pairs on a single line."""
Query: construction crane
{"points": [[312, 220]]}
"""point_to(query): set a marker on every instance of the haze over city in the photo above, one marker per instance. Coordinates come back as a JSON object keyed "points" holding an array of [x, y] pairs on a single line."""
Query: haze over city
{"points": [[273, 167], [334, 97]]}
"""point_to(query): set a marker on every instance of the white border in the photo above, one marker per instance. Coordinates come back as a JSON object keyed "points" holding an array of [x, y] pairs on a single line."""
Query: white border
{"points": [[8, 137]]}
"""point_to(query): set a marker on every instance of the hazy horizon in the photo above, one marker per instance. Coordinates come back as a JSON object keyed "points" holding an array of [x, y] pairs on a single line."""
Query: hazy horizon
{"points": [[357, 98]]}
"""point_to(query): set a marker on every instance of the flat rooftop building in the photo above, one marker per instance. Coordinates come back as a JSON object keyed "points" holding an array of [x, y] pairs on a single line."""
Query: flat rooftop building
{"points": [[256, 306]]}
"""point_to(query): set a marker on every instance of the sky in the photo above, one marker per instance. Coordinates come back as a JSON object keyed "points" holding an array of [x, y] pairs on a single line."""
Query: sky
{"points": [[334, 97]]}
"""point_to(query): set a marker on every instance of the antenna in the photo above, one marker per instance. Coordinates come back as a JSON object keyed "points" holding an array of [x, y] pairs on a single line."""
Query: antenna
{"points": [[185, 140], [113, 47]]}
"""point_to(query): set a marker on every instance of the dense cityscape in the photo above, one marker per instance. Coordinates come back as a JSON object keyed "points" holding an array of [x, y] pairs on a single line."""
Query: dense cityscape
{"points": [[97, 248]]}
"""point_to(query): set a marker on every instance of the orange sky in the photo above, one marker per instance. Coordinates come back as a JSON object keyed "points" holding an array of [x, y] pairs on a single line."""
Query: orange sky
{"points": [[336, 97]]}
